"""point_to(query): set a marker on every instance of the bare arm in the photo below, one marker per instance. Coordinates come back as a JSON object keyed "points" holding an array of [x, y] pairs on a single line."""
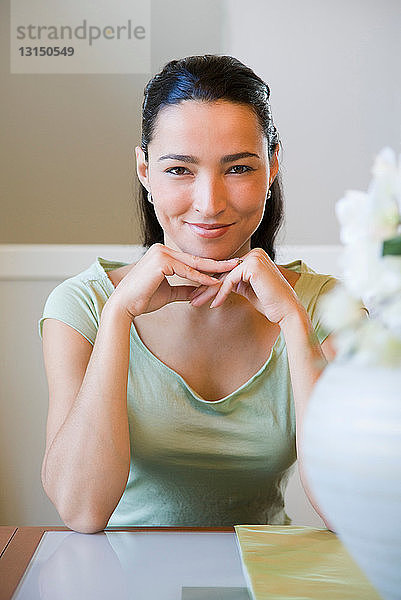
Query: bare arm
{"points": [[307, 362], [86, 463]]}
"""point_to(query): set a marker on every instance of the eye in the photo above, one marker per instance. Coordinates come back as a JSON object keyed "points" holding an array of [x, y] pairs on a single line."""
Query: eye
{"points": [[175, 169], [241, 167]]}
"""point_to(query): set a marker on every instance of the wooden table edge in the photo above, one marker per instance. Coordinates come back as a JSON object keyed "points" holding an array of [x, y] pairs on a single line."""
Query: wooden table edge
{"points": [[6, 534], [23, 541]]}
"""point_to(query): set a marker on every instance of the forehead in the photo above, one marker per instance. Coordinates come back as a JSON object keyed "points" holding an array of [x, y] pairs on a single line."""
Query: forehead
{"points": [[208, 124]]}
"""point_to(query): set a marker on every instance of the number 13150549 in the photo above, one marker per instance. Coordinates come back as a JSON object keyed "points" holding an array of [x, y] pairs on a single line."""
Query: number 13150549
{"points": [[46, 51]]}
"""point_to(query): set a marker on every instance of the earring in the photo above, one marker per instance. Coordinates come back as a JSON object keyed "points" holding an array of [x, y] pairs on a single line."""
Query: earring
{"points": [[269, 193], [150, 198]]}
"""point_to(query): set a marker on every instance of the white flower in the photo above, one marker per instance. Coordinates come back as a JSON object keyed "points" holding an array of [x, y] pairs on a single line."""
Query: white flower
{"points": [[361, 267], [352, 213], [366, 221], [384, 162], [383, 212], [377, 346], [339, 309], [384, 215], [374, 215], [386, 185], [390, 314]]}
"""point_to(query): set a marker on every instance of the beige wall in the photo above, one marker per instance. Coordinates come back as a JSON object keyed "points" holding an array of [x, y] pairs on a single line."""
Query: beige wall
{"points": [[333, 69], [67, 141], [66, 162]]}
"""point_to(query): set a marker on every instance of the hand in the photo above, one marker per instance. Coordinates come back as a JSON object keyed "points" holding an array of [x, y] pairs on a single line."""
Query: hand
{"points": [[258, 280], [145, 287]]}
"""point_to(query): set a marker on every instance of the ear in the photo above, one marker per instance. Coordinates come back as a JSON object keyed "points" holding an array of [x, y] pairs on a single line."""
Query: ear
{"points": [[274, 166], [142, 167]]}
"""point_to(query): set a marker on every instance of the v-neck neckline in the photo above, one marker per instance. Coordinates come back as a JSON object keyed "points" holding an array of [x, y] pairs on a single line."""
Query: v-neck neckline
{"points": [[275, 351]]}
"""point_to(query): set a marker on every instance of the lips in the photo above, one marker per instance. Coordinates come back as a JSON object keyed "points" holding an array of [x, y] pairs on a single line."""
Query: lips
{"points": [[211, 226], [209, 230]]}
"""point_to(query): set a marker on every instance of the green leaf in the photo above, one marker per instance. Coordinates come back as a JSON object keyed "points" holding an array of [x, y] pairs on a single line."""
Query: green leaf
{"points": [[392, 246]]}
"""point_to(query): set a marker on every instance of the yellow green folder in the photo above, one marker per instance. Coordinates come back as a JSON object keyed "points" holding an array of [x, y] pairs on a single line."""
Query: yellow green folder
{"points": [[299, 563]]}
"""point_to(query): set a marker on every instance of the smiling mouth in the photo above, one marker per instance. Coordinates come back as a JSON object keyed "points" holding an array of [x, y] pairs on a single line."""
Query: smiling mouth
{"points": [[211, 226], [209, 230]]}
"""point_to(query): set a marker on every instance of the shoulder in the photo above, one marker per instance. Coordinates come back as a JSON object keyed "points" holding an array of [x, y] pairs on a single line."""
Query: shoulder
{"points": [[116, 275], [317, 282], [114, 270], [311, 288], [78, 301], [313, 283], [291, 276], [83, 285]]}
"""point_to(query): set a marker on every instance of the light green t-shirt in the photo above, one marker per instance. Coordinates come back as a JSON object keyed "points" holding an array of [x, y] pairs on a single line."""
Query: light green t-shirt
{"points": [[196, 462]]}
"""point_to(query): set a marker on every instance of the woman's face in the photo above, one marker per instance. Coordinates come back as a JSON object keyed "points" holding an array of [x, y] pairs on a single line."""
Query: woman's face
{"points": [[208, 173]]}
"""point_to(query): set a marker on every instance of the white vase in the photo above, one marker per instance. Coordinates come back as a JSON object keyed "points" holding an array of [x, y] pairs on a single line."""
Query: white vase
{"points": [[351, 449]]}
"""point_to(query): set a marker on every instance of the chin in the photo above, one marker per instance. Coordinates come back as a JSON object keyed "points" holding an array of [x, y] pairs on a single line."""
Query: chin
{"points": [[215, 249]]}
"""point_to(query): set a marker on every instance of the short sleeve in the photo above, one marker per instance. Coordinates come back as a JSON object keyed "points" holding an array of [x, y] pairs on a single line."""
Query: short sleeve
{"points": [[72, 302], [321, 330]]}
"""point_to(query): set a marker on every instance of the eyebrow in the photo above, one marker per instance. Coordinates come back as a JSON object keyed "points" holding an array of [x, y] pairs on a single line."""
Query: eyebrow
{"points": [[192, 159]]}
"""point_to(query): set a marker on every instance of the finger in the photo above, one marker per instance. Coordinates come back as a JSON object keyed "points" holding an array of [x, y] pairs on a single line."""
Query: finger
{"points": [[202, 288], [198, 291], [207, 294], [204, 264], [181, 269], [230, 283]]}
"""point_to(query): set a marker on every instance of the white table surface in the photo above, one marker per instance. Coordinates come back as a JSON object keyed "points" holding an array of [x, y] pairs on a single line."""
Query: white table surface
{"points": [[116, 565]]}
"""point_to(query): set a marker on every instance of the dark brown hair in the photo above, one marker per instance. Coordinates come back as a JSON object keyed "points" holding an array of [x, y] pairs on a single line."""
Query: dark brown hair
{"points": [[209, 78]]}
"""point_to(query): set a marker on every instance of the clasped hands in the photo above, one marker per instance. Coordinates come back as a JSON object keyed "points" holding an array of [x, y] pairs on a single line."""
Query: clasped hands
{"points": [[256, 278], [145, 288]]}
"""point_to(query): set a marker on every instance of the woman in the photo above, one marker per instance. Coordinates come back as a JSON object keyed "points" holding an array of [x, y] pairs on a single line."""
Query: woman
{"points": [[178, 383]]}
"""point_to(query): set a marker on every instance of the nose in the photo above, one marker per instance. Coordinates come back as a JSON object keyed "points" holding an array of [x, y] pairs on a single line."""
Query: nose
{"points": [[210, 197]]}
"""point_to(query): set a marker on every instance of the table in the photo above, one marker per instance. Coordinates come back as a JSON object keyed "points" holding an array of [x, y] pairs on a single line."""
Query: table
{"points": [[178, 563], [186, 563]]}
